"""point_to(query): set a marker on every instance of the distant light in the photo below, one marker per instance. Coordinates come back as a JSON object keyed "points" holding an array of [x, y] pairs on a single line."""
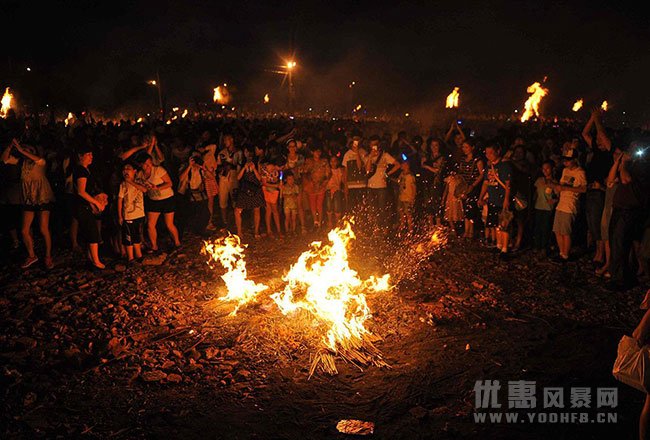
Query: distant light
{"points": [[309, 108], [516, 111], [623, 112], [404, 157], [152, 82], [29, 69], [407, 115], [175, 109]]}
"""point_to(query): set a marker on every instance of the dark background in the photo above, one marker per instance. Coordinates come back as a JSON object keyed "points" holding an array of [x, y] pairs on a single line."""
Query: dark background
{"points": [[403, 56]]}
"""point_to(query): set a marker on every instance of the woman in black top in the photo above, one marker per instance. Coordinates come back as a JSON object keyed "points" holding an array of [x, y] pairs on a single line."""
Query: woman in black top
{"points": [[89, 203]]}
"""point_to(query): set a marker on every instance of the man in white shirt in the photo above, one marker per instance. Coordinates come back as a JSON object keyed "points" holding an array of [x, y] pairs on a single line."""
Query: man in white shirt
{"points": [[377, 164], [572, 184]]}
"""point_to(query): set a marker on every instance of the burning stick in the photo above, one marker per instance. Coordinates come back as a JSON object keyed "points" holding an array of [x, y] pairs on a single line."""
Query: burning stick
{"points": [[229, 252], [531, 107]]}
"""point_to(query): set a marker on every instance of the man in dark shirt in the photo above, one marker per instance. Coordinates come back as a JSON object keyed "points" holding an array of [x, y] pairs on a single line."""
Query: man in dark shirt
{"points": [[629, 215], [598, 163]]}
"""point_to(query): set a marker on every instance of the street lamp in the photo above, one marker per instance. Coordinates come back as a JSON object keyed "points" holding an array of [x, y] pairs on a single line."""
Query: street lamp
{"points": [[156, 84], [291, 64]]}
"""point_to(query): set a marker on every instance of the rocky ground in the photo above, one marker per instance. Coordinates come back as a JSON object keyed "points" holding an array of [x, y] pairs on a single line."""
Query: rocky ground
{"points": [[148, 352]]}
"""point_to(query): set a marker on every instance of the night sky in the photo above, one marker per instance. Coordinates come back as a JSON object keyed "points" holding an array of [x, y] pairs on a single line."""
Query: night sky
{"points": [[402, 56]]}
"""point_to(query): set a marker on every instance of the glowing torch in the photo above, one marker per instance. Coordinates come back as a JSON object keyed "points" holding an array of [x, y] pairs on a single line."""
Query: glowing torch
{"points": [[531, 107], [7, 100], [577, 105], [452, 98], [221, 95], [604, 106], [267, 99]]}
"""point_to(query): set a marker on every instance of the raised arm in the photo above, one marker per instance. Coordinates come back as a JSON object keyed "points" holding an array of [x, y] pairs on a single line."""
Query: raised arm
{"points": [[586, 132], [601, 134], [26, 153], [131, 151]]}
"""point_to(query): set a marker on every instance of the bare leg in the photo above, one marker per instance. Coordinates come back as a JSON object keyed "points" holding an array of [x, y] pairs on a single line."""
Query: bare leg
{"points": [[44, 225], [644, 420], [210, 208], [152, 220], [238, 221], [94, 255], [256, 220], [267, 219], [137, 248], [129, 253], [26, 231], [276, 217], [74, 233], [171, 227]]}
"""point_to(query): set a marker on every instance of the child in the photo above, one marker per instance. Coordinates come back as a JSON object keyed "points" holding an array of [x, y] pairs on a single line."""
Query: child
{"points": [[333, 193], [454, 187], [130, 212], [407, 192], [290, 193], [544, 205]]}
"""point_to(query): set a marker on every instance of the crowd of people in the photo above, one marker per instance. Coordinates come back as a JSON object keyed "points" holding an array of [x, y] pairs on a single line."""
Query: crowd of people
{"points": [[547, 188]]}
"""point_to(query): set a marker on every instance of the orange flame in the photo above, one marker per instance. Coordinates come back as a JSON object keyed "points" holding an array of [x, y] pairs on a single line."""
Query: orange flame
{"points": [[229, 252], [331, 291], [221, 95], [604, 106], [577, 105], [267, 99], [6, 102], [452, 98], [531, 107], [69, 120]]}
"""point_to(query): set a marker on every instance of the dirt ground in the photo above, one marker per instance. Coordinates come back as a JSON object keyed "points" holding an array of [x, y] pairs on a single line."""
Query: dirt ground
{"points": [[147, 352]]}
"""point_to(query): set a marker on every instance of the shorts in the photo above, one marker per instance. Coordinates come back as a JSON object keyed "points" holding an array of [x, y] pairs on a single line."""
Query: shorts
{"points": [[334, 202], [405, 206], [227, 186], [271, 197], [211, 187], [132, 231], [492, 218], [163, 206], [39, 208], [594, 206], [88, 224], [563, 222]]}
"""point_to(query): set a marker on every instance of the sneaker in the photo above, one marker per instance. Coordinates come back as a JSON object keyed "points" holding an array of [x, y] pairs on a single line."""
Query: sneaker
{"points": [[49, 264], [28, 262]]}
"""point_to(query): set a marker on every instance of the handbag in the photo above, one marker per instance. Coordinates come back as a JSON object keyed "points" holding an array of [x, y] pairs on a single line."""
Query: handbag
{"points": [[631, 365]]}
